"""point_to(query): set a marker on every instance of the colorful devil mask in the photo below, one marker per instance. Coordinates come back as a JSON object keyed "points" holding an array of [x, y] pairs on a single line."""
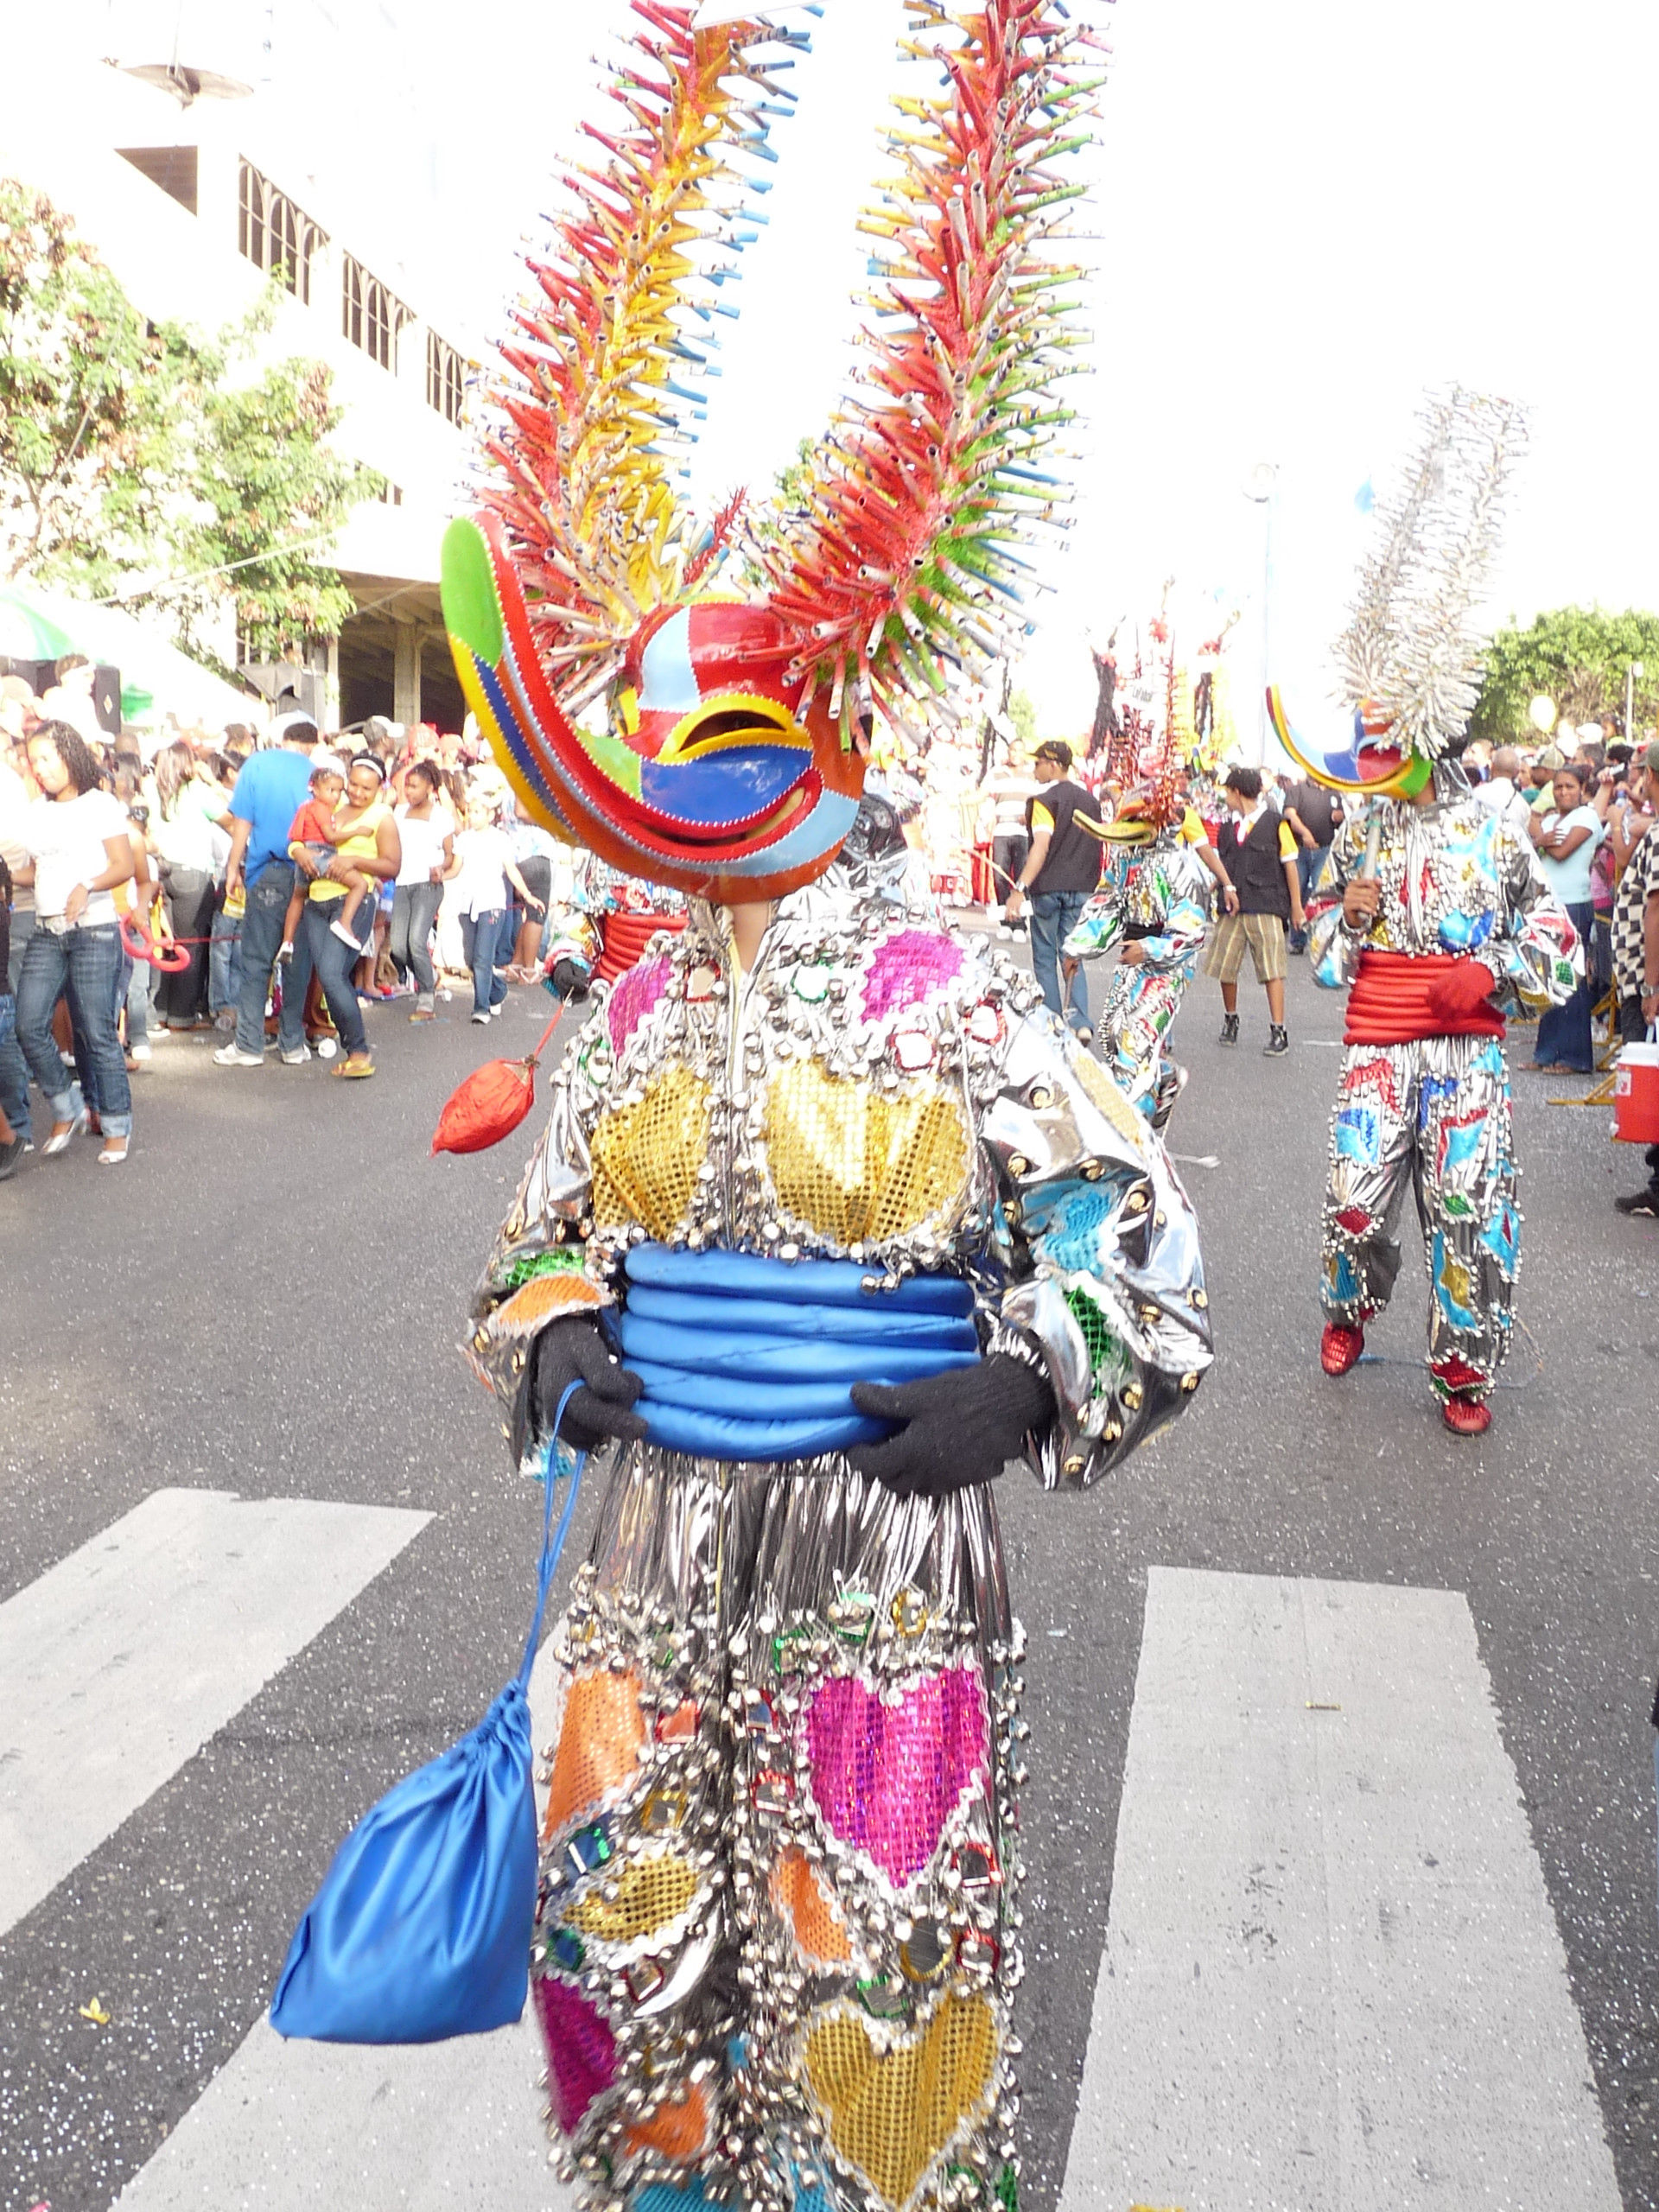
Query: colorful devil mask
{"points": [[687, 735], [1413, 654]]}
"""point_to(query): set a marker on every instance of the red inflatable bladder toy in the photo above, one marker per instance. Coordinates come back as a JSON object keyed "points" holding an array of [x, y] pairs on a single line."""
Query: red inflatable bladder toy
{"points": [[492, 1101], [160, 952]]}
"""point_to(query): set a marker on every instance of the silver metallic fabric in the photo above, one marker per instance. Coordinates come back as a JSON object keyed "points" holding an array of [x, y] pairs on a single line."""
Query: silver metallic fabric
{"points": [[1164, 894], [1433, 1114], [874, 1089], [776, 1942]]}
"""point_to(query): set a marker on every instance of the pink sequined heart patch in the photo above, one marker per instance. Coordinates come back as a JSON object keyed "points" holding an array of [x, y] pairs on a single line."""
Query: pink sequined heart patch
{"points": [[580, 2049], [887, 1777]]}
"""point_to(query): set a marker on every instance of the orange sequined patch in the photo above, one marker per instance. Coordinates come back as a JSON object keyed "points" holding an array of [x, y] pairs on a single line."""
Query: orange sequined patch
{"points": [[598, 1746], [678, 2131], [543, 1298], [799, 1897]]}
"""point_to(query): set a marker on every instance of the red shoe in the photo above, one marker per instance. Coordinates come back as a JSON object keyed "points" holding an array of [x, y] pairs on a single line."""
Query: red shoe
{"points": [[1340, 1346], [1466, 1416]]}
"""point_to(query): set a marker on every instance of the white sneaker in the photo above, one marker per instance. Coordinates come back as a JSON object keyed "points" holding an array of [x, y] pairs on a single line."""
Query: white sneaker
{"points": [[141, 1053], [496, 1012], [297, 1059], [232, 1056], [482, 1019], [326, 1048]]}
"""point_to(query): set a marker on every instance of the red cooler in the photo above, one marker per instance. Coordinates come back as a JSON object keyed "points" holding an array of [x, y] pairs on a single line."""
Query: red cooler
{"points": [[1635, 1094]]}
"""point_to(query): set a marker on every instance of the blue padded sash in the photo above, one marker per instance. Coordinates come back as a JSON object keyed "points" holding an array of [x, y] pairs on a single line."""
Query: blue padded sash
{"points": [[749, 1359]]}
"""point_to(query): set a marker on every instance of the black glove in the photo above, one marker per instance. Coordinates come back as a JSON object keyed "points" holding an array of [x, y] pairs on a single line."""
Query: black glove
{"points": [[959, 1428], [575, 1351]]}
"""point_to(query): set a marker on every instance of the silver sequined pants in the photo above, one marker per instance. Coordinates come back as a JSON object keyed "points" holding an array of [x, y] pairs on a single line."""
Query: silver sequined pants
{"points": [[1132, 1036], [1434, 1116], [774, 1947]]}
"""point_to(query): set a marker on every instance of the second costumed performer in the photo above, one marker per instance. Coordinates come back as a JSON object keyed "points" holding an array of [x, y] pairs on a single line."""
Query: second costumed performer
{"points": [[1153, 906], [830, 1218], [1433, 914]]}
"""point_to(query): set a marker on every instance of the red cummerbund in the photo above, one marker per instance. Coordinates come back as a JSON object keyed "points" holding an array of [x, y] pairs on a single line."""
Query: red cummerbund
{"points": [[1399, 997], [626, 937]]}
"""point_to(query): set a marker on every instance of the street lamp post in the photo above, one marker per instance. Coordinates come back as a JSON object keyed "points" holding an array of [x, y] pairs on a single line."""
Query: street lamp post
{"points": [[1259, 486], [1633, 669]]}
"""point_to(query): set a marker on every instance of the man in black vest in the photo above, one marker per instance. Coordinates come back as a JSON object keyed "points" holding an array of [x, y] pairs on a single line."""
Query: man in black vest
{"points": [[1258, 851], [1061, 871]]}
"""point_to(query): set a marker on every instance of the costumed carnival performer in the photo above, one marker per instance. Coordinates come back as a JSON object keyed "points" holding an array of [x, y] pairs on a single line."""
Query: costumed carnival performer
{"points": [[1154, 907], [859, 1219], [1432, 912]]}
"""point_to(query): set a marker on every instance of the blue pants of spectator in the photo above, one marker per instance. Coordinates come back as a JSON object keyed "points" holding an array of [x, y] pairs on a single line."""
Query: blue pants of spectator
{"points": [[413, 910], [224, 963], [484, 939], [1564, 1031], [262, 938], [1054, 917], [14, 1073], [335, 962], [1308, 864], [83, 964]]}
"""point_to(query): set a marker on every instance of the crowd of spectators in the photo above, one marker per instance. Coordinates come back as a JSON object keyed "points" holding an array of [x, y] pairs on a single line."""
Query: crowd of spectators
{"points": [[285, 885]]}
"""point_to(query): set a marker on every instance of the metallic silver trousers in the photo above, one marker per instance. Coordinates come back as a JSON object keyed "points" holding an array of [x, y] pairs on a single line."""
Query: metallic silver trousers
{"points": [[775, 1943], [1432, 1115]]}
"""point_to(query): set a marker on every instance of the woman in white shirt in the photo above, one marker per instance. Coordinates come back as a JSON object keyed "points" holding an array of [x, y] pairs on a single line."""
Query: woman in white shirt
{"points": [[1566, 838], [427, 835], [482, 867], [77, 835]]}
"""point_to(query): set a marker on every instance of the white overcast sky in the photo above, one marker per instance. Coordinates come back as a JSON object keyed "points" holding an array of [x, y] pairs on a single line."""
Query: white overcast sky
{"points": [[1303, 212]]}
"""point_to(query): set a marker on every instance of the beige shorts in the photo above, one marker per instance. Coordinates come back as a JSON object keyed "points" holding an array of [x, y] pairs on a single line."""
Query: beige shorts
{"points": [[1265, 936]]}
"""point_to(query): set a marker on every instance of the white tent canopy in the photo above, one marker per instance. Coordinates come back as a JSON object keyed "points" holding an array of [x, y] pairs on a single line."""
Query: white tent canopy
{"points": [[148, 662]]}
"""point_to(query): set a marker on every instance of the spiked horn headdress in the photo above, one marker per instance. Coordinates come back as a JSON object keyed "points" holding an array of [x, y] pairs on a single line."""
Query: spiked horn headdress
{"points": [[1413, 653], [726, 765]]}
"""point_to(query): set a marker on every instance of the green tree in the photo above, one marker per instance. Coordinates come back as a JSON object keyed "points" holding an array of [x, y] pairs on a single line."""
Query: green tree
{"points": [[148, 461], [86, 444], [266, 495], [1576, 655], [1023, 714]]}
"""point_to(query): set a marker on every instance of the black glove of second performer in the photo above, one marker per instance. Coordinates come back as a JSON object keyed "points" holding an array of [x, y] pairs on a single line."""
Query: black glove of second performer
{"points": [[959, 1428], [573, 1351]]}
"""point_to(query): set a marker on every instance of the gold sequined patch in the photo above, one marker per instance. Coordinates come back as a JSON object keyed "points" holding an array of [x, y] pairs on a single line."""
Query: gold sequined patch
{"points": [[855, 1165], [891, 2113], [1111, 1101], [650, 1892], [647, 1156]]}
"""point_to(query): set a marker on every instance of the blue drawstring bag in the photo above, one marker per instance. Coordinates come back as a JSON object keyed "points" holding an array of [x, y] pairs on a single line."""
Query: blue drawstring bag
{"points": [[421, 1928]]}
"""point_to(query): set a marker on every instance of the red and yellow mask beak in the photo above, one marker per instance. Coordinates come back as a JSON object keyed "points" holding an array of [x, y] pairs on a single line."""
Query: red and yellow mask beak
{"points": [[717, 775], [1372, 767]]}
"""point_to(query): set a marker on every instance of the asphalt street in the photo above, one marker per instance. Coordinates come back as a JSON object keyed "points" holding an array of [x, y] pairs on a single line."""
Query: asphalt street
{"points": [[267, 1300]]}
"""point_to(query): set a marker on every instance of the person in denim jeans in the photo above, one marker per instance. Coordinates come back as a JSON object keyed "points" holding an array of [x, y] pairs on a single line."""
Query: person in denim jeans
{"points": [[76, 949], [268, 793], [334, 961], [16, 1129], [1060, 875], [486, 939]]}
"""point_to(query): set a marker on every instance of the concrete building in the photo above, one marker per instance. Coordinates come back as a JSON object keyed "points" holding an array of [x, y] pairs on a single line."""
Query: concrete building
{"points": [[204, 154]]}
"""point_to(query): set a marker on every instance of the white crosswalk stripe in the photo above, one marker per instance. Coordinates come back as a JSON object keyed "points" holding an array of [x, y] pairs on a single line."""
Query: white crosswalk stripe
{"points": [[1332, 1976], [441, 2127], [122, 1661]]}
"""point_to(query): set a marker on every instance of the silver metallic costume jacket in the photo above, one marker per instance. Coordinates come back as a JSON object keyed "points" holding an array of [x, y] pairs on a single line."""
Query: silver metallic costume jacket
{"points": [[1435, 1113], [776, 1943], [1161, 897]]}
